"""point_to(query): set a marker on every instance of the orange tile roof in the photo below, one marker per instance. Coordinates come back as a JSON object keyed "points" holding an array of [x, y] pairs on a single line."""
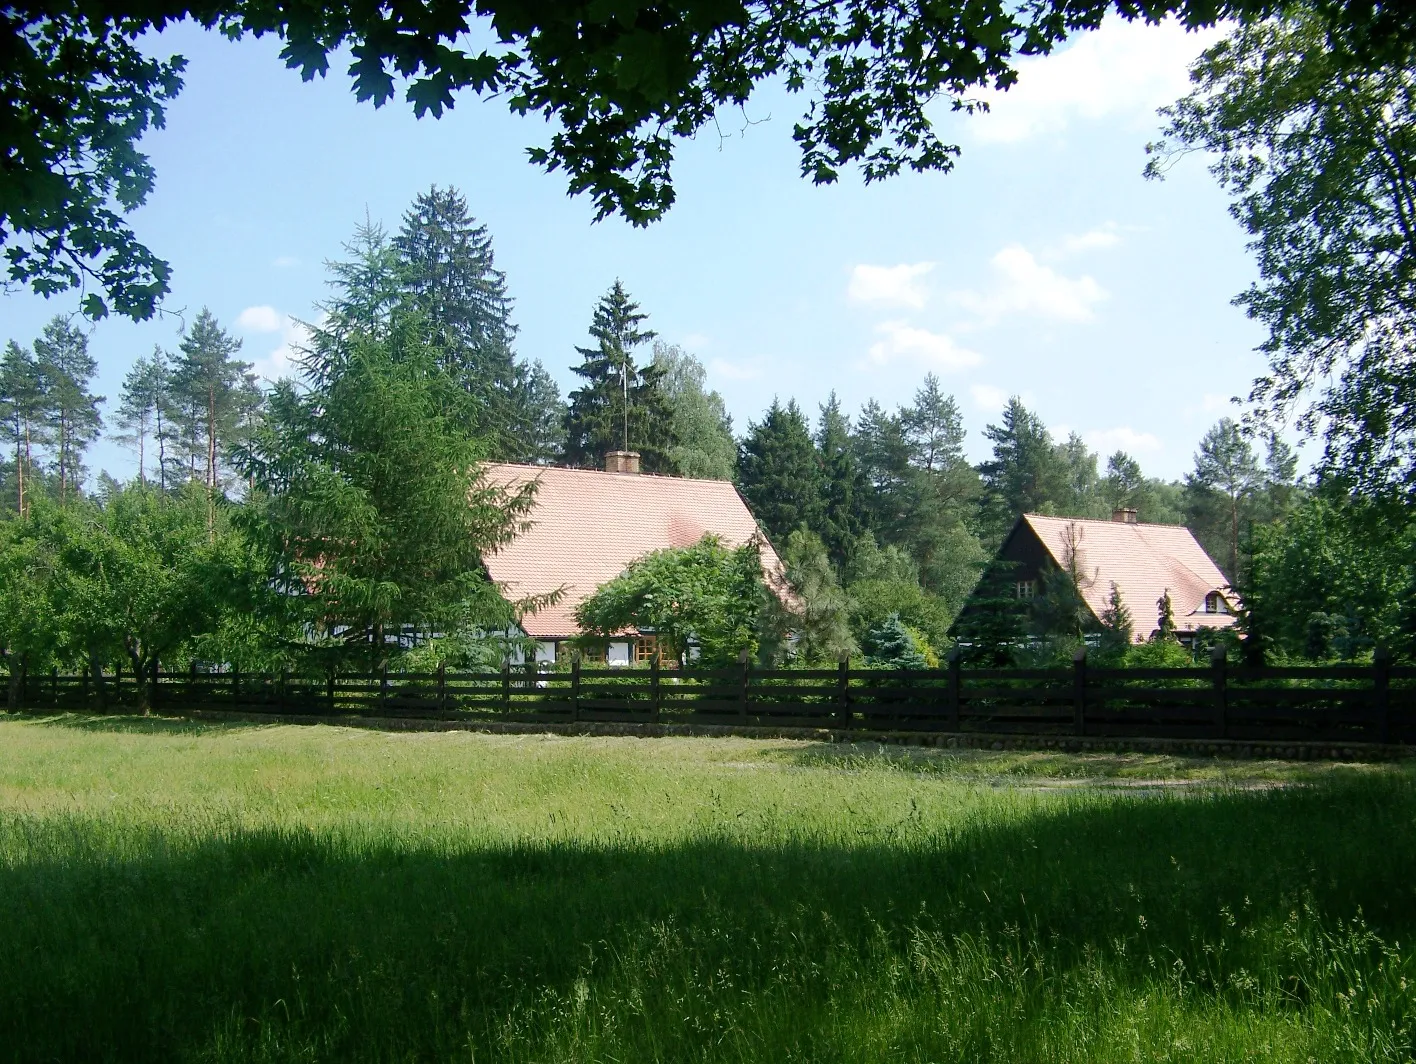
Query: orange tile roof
{"points": [[1144, 561], [587, 525]]}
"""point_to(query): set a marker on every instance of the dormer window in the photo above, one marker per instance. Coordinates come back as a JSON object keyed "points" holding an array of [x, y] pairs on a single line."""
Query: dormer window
{"points": [[1215, 603], [1024, 590]]}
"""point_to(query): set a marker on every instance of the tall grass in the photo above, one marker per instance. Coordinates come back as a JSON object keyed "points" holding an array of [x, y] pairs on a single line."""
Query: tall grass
{"points": [[277, 894]]}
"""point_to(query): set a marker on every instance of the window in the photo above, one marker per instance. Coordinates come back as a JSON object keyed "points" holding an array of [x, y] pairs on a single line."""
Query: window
{"points": [[1025, 589], [644, 649], [592, 655], [1215, 603]]}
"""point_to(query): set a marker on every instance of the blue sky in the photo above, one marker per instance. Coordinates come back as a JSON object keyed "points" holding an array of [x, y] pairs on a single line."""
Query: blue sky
{"points": [[1044, 265]]}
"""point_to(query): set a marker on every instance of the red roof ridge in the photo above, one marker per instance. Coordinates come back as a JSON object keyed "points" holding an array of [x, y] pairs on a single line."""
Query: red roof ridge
{"points": [[1109, 521], [604, 472]]}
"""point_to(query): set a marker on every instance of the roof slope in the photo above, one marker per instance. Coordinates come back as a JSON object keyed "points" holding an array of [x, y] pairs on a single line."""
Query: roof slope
{"points": [[1144, 561], [587, 525]]}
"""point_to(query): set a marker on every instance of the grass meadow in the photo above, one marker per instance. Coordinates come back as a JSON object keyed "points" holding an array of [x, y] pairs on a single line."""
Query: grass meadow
{"points": [[191, 892]]}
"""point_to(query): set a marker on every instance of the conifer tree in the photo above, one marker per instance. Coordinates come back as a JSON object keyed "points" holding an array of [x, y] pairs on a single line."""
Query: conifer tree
{"points": [[1116, 627], [1023, 474], [779, 472], [142, 408], [539, 432], [212, 392], [71, 409], [891, 646], [22, 405], [1165, 618], [883, 451], [1222, 489], [843, 485], [620, 406]]}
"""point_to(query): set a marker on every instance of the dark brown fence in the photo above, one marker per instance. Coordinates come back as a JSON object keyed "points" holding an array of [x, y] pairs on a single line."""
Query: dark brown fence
{"points": [[1366, 703]]}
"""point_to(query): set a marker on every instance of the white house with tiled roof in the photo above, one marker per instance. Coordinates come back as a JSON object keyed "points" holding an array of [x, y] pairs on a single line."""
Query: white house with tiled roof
{"points": [[587, 525], [1144, 561]]}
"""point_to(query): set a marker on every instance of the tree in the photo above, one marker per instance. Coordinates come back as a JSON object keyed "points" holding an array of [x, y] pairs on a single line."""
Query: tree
{"points": [[705, 595], [1060, 612], [539, 437], [1165, 619], [779, 472], [1315, 148], [370, 499], [1117, 631], [1024, 475], [934, 428], [1227, 470], [70, 408], [145, 398], [819, 611], [620, 407], [623, 85], [212, 392], [705, 447], [447, 273], [22, 403], [891, 645], [844, 488]]}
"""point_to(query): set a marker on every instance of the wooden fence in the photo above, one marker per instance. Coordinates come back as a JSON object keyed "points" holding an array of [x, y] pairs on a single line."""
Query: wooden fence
{"points": [[1366, 703]]}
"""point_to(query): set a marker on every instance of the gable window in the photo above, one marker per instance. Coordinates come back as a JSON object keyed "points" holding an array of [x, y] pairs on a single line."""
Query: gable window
{"points": [[1024, 590], [1215, 603]]}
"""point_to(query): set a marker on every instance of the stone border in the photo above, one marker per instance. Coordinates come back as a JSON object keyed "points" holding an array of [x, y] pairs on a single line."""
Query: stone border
{"points": [[1216, 748]]}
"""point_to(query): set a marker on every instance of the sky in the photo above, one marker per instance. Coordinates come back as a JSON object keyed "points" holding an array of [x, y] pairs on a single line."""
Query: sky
{"points": [[1043, 265]]}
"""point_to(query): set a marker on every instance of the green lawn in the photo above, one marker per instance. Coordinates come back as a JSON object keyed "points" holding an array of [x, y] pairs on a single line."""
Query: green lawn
{"points": [[186, 892]]}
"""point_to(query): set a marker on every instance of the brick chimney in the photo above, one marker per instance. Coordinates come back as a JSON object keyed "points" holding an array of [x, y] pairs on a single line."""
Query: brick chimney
{"points": [[1125, 516], [621, 461]]}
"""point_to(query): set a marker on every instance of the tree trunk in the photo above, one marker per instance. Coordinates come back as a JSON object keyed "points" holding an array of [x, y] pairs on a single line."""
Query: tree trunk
{"points": [[139, 672], [1234, 540], [211, 460], [100, 692], [12, 692]]}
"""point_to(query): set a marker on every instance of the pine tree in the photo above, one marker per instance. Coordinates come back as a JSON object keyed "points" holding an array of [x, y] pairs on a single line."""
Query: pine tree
{"points": [[71, 409], [23, 404], [213, 393], [934, 428], [779, 472], [145, 399], [1124, 483], [1226, 478], [843, 484], [1165, 618], [620, 407], [883, 451]]}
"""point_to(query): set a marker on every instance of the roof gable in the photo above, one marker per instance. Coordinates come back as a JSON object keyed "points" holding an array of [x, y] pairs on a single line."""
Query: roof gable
{"points": [[586, 526], [1144, 561]]}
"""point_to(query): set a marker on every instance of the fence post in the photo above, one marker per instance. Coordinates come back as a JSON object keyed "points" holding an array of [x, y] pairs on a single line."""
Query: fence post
{"points": [[654, 685], [156, 682], [54, 685], [24, 681], [843, 689], [235, 685], [742, 686], [442, 686], [383, 688], [506, 687], [192, 682], [575, 687], [1219, 662], [329, 683], [280, 693], [1381, 688], [1079, 690], [956, 661]]}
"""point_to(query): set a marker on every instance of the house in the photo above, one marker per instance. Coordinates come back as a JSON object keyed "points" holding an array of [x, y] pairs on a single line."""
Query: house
{"points": [[1144, 561], [587, 525]]}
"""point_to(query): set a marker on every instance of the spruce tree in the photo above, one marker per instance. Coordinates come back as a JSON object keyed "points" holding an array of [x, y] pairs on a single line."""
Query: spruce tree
{"points": [[843, 485], [539, 431], [1024, 474], [1116, 627], [70, 408], [448, 276], [22, 405], [620, 406], [891, 646], [881, 446], [779, 472]]}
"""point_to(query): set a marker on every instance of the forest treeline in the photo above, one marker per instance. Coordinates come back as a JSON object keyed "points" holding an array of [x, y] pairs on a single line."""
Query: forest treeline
{"points": [[327, 517]]}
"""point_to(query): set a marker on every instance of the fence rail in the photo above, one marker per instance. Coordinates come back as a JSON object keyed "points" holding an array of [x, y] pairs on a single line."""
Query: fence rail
{"points": [[1371, 703]]}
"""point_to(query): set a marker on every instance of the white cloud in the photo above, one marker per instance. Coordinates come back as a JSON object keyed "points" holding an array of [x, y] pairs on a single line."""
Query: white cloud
{"points": [[989, 399], [1123, 438], [933, 350], [1025, 286], [733, 371], [890, 286], [280, 362], [260, 319], [1119, 73], [1105, 236]]}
